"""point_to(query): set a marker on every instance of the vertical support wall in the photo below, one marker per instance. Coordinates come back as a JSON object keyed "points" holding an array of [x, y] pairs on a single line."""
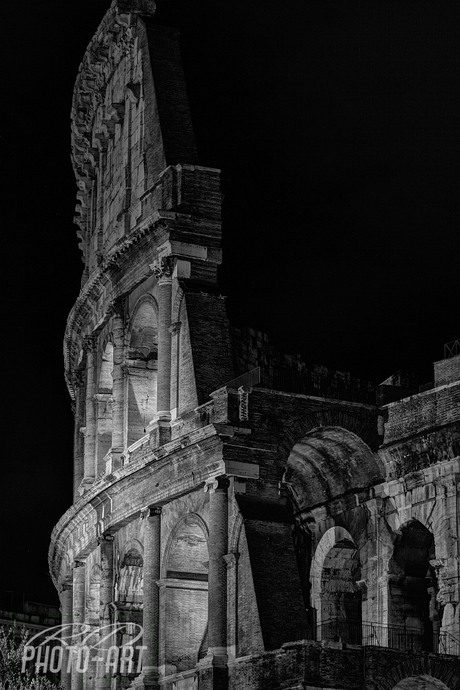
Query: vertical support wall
{"points": [[66, 596], [217, 654]]}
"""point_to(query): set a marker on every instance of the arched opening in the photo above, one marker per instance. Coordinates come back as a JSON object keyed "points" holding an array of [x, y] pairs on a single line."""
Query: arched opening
{"points": [[336, 595], [185, 596], [142, 368], [422, 682], [414, 614], [129, 601], [104, 408], [328, 463]]}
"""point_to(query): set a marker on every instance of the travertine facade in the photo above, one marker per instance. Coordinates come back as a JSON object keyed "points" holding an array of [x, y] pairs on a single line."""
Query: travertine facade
{"points": [[268, 524]]}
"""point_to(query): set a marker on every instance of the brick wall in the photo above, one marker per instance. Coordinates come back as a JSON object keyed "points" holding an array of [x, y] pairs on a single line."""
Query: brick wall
{"points": [[210, 342], [447, 371], [171, 95], [421, 412], [276, 580]]}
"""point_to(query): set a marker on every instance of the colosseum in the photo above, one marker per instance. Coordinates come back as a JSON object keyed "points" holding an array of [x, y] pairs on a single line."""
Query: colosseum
{"points": [[270, 525]]}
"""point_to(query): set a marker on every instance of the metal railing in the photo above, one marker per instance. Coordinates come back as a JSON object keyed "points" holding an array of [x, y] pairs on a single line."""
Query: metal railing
{"points": [[451, 349], [321, 385], [392, 636]]}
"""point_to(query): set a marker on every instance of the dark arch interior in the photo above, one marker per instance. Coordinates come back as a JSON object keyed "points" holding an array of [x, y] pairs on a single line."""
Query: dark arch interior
{"points": [[340, 595], [415, 615]]}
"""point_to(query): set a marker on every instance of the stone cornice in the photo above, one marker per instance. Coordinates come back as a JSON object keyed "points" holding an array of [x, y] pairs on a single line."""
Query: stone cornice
{"points": [[132, 474], [93, 288]]}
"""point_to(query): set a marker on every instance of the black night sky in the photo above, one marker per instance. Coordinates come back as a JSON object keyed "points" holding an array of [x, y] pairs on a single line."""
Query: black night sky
{"points": [[336, 124]]}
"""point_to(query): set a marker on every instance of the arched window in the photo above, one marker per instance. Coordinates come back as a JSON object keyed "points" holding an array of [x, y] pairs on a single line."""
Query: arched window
{"points": [[414, 614], [142, 367], [185, 592], [129, 598], [336, 595]]}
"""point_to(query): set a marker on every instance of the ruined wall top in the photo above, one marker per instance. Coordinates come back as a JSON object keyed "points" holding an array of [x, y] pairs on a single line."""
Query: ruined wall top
{"points": [[130, 121]]}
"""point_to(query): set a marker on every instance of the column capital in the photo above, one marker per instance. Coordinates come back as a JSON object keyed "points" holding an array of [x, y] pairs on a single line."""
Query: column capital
{"points": [[231, 559], [150, 511], [163, 268], [105, 538], [214, 484]]}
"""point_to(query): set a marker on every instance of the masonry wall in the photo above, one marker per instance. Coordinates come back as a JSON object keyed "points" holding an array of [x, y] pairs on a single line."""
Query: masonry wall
{"points": [[433, 408]]}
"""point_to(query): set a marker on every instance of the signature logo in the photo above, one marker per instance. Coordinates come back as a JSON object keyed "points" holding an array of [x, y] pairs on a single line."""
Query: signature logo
{"points": [[117, 647]]}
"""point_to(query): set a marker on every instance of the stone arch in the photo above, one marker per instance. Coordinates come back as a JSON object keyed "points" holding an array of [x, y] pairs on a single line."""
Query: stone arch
{"points": [[186, 520], [335, 595], [413, 589], [184, 594], [359, 420], [142, 329], [131, 544], [422, 668], [422, 682], [142, 362], [329, 462]]}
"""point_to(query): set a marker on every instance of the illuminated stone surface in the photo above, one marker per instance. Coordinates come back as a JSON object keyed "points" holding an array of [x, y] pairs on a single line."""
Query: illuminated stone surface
{"points": [[292, 506]]}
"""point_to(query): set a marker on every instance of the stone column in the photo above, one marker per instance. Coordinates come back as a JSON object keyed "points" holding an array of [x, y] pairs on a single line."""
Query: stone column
{"points": [[78, 616], [231, 561], [66, 619], [90, 434], [118, 391], [78, 440], [163, 270], [217, 578], [103, 675], [151, 596]]}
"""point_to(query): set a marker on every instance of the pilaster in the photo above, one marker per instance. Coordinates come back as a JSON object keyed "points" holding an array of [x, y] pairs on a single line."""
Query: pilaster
{"points": [[215, 664], [118, 391], [151, 616], [90, 433], [163, 270], [103, 677], [66, 597], [78, 615]]}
